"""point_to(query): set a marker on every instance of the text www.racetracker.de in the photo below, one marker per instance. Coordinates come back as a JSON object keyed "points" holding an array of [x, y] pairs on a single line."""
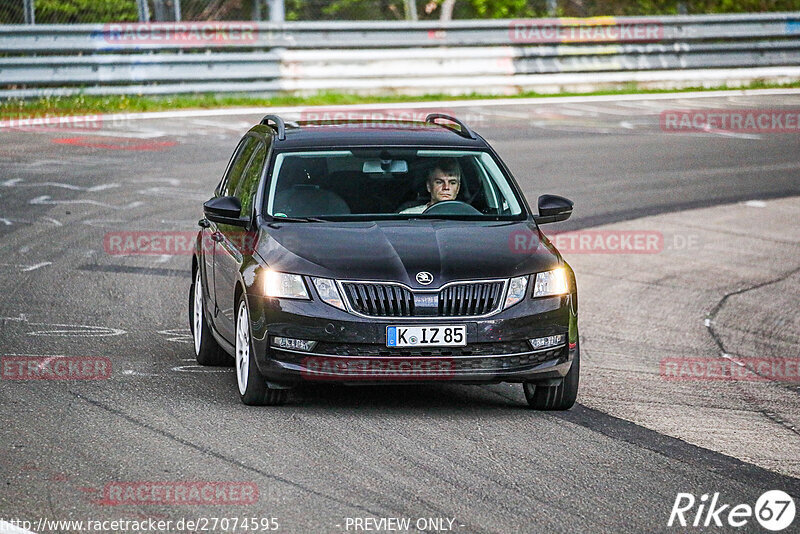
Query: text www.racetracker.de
{"points": [[200, 524]]}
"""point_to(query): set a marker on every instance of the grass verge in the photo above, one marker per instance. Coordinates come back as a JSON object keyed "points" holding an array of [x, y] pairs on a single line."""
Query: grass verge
{"points": [[88, 104]]}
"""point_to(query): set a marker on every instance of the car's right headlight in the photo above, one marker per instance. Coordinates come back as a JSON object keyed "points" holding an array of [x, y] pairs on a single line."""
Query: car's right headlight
{"points": [[328, 292], [551, 283]]}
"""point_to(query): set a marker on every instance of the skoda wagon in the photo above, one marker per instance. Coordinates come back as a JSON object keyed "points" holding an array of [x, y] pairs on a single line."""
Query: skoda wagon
{"points": [[381, 253]]}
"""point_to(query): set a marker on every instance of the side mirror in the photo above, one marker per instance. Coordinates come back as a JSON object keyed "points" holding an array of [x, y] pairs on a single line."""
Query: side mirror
{"points": [[553, 208], [225, 210]]}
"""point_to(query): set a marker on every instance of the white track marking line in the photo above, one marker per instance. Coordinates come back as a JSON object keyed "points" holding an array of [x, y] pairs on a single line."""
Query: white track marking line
{"points": [[131, 372], [237, 126], [504, 113], [23, 269], [54, 222], [728, 133], [18, 182], [199, 369], [103, 223], [129, 135], [169, 181], [46, 199], [178, 114], [37, 266], [21, 318], [35, 355]]}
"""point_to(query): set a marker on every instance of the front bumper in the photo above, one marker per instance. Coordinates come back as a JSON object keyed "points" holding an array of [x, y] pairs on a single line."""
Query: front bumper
{"points": [[352, 349]]}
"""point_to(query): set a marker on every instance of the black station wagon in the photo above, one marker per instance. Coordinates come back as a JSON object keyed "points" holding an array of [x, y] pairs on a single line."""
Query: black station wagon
{"points": [[381, 252]]}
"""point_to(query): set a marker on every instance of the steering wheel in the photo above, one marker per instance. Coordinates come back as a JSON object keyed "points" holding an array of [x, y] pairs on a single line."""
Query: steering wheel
{"points": [[451, 207]]}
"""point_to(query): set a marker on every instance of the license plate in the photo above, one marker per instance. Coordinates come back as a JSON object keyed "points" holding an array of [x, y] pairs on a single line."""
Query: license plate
{"points": [[426, 336]]}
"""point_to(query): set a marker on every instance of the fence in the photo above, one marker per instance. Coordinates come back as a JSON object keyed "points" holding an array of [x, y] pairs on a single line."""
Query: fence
{"points": [[411, 57]]}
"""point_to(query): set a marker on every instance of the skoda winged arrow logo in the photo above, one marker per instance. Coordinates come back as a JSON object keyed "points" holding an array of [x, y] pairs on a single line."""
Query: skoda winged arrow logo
{"points": [[424, 278]]}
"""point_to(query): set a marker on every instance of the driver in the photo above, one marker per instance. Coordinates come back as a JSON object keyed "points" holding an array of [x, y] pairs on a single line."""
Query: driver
{"points": [[443, 183]]}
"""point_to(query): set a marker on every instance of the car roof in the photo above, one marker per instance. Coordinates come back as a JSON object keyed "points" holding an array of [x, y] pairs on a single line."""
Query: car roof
{"points": [[320, 134]]}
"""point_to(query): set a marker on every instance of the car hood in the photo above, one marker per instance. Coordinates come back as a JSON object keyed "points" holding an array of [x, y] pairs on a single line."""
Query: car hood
{"points": [[398, 250]]}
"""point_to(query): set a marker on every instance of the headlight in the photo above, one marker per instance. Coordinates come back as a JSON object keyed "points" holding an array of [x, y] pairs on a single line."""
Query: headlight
{"points": [[551, 283], [516, 290], [284, 285], [328, 292]]}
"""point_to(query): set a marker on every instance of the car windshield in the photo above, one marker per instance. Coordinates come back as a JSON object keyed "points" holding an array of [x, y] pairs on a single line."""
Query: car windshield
{"points": [[390, 183]]}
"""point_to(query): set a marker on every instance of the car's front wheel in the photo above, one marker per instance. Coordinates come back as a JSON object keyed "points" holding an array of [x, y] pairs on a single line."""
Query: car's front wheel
{"points": [[206, 349], [558, 397], [253, 389]]}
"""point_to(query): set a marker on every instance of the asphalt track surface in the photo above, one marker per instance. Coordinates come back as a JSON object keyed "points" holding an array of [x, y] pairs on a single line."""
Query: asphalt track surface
{"points": [[473, 454]]}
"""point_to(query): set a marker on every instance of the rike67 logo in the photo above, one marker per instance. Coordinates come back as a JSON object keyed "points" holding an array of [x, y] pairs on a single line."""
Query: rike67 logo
{"points": [[774, 510]]}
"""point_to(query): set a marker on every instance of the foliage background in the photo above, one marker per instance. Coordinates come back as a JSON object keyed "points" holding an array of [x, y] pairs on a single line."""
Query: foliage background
{"points": [[77, 11]]}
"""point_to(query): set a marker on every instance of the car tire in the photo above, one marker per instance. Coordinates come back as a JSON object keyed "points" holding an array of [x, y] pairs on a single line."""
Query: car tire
{"points": [[206, 349], [253, 389], [560, 397]]}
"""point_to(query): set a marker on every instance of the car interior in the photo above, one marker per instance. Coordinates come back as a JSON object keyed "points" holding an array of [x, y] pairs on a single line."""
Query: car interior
{"points": [[320, 186]]}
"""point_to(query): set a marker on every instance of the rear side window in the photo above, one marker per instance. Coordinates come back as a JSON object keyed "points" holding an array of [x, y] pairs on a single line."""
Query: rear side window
{"points": [[249, 181], [243, 152]]}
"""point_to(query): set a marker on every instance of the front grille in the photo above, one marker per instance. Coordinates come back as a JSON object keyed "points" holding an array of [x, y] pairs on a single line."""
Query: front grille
{"points": [[457, 300], [380, 300], [470, 299]]}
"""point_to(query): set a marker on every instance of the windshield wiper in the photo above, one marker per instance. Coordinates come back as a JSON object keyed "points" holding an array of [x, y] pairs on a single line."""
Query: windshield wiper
{"points": [[295, 219]]}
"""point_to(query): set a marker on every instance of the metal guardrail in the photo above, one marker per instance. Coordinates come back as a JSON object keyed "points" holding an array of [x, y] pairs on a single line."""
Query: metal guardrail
{"points": [[486, 54]]}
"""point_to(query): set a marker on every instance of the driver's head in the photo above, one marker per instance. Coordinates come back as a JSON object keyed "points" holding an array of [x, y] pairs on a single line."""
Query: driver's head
{"points": [[444, 180]]}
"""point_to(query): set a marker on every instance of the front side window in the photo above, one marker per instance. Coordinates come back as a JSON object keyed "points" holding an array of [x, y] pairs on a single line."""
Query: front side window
{"points": [[394, 183], [240, 159], [246, 189]]}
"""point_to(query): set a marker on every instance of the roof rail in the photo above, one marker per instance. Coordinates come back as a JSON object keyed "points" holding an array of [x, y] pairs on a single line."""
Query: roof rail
{"points": [[464, 129], [279, 126]]}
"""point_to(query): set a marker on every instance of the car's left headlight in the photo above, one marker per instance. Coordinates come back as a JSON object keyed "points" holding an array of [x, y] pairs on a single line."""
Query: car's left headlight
{"points": [[284, 285], [516, 290], [551, 283]]}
